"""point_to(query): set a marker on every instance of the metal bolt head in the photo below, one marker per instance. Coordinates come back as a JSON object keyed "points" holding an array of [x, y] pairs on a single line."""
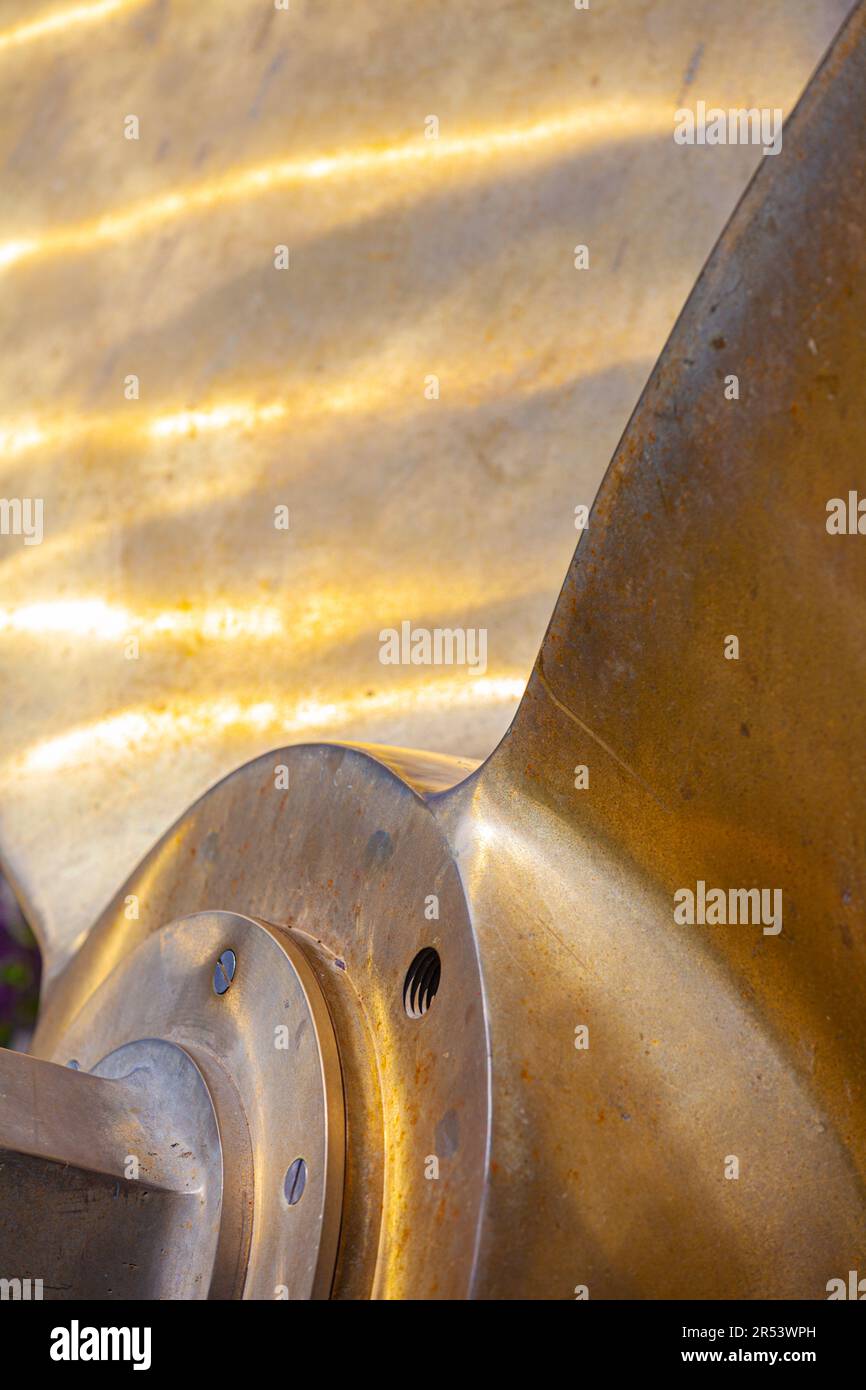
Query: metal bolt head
{"points": [[224, 971], [296, 1181]]}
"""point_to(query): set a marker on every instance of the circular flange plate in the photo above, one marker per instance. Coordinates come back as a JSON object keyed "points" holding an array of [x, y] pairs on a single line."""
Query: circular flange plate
{"points": [[267, 1051], [348, 865]]}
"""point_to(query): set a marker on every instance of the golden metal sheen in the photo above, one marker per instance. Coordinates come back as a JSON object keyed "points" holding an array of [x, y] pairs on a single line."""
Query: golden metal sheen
{"points": [[409, 258], [597, 1096]]}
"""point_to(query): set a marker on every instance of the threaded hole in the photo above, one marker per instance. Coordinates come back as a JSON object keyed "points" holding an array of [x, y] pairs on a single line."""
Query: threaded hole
{"points": [[422, 982]]}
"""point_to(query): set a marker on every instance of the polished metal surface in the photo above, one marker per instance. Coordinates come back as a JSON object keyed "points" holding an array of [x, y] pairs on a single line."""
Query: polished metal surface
{"points": [[267, 1052], [340, 866], [705, 1041], [111, 1188], [540, 1081], [409, 258]]}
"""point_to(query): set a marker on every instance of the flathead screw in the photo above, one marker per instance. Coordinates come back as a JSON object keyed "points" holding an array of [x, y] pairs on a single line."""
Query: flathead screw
{"points": [[224, 971]]}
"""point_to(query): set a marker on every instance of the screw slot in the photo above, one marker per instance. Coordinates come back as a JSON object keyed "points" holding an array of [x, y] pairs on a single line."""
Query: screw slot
{"points": [[295, 1182], [224, 971], [422, 982]]}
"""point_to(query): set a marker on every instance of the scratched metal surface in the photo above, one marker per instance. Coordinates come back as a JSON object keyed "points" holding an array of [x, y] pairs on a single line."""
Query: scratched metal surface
{"points": [[305, 388]]}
